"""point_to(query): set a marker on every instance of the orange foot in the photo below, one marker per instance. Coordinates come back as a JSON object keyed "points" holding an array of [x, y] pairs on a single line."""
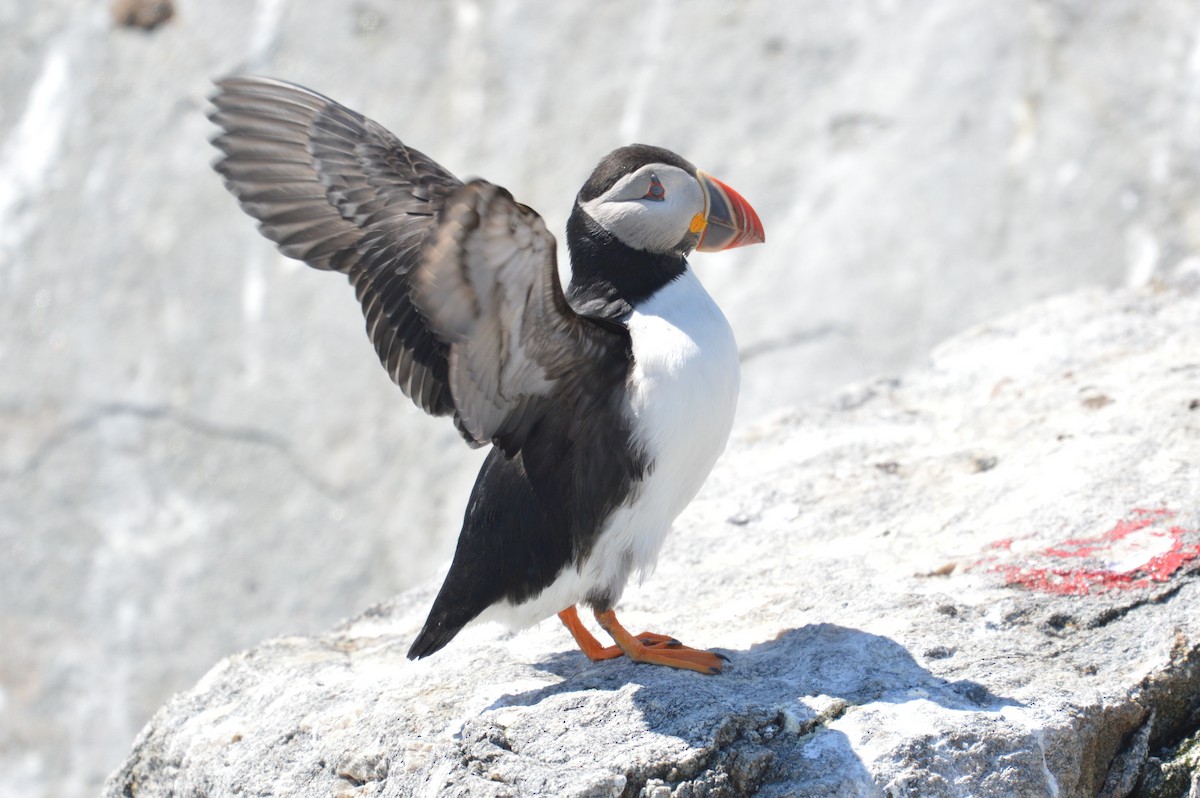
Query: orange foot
{"points": [[648, 647]]}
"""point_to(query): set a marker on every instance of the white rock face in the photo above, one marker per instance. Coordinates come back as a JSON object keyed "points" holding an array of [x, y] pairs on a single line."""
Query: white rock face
{"points": [[198, 449], [982, 579]]}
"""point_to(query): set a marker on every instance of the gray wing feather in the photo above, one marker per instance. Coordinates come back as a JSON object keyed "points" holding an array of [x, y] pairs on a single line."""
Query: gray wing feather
{"points": [[458, 283], [339, 192], [489, 286]]}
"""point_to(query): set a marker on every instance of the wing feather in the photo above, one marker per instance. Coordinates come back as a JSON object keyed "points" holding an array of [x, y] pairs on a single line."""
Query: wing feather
{"points": [[339, 192], [458, 283], [490, 287]]}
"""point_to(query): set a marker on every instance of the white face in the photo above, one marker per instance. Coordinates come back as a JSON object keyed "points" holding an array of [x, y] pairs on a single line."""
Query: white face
{"points": [[651, 209]]}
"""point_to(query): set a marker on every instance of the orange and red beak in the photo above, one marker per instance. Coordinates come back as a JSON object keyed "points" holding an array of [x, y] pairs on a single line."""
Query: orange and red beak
{"points": [[729, 220]]}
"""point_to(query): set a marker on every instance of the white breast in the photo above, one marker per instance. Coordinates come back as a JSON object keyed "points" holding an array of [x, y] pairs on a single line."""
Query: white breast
{"points": [[682, 397]]}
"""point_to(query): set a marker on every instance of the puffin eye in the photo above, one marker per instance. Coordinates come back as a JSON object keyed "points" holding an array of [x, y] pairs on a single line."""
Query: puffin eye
{"points": [[656, 192]]}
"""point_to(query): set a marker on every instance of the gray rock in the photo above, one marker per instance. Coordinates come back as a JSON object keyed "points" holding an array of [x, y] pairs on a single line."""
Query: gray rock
{"points": [[982, 579], [198, 449]]}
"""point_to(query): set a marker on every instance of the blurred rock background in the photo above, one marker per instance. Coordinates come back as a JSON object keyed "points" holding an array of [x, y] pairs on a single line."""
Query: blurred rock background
{"points": [[198, 448]]}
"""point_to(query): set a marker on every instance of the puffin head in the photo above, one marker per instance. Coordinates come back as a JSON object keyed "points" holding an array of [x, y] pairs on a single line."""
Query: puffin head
{"points": [[652, 200]]}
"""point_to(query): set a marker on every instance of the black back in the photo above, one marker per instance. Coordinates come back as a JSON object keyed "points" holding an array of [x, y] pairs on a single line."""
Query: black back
{"points": [[540, 511]]}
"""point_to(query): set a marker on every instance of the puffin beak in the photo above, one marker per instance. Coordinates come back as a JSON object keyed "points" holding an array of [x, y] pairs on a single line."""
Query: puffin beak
{"points": [[729, 221]]}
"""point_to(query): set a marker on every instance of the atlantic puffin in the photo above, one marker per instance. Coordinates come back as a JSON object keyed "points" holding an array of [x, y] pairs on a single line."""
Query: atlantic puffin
{"points": [[605, 407]]}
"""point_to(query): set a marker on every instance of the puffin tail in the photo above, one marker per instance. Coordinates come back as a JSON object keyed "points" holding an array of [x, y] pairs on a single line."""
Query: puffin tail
{"points": [[437, 632]]}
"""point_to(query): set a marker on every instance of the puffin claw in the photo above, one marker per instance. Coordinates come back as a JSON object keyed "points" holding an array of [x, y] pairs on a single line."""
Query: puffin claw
{"points": [[658, 641], [656, 649]]}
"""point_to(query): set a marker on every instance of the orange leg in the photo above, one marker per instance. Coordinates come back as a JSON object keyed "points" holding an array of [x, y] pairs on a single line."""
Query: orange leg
{"points": [[590, 645], [647, 647], [597, 651]]}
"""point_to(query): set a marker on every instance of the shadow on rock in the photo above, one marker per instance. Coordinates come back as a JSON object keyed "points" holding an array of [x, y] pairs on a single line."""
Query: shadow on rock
{"points": [[772, 707], [815, 660]]}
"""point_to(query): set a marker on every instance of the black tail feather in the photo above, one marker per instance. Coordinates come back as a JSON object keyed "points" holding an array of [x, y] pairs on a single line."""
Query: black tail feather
{"points": [[437, 632]]}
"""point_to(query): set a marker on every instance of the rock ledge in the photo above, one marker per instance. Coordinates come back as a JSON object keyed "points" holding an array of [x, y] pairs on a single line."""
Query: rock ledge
{"points": [[981, 579]]}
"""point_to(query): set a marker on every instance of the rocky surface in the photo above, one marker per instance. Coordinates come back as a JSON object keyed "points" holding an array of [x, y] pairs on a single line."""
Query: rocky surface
{"points": [[980, 579], [198, 449]]}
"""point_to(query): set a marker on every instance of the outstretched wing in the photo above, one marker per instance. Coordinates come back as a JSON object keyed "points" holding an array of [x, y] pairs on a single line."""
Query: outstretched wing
{"points": [[489, 287], [338, 191], [458, 283]]}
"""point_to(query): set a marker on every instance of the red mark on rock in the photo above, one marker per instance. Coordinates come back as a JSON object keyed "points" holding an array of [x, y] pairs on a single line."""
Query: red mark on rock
{"points": [[1136, 553]]}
